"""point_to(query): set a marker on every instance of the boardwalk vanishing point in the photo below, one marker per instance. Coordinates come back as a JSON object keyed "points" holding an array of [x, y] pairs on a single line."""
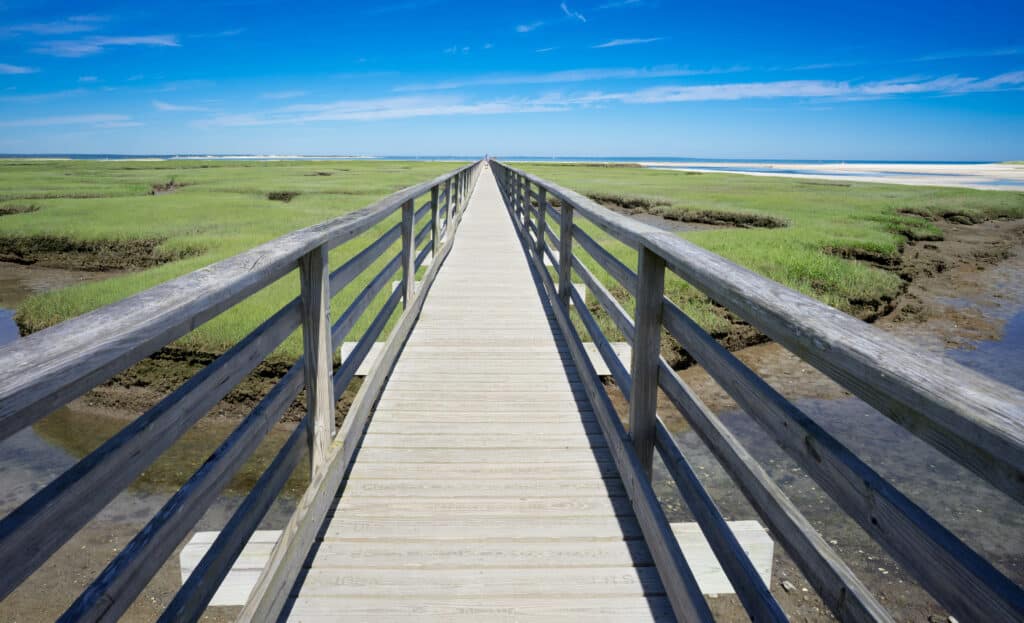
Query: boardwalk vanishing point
{"points": [[482, 472]]}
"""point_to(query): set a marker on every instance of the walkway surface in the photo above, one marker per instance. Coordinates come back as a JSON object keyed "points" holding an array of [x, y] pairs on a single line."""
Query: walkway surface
{"points": [[483, 489]]}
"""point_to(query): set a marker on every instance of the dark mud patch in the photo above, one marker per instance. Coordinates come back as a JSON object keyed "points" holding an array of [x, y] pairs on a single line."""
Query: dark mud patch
{"points": [[18, 208], [140, 387], [320, 174], [165, 188], [282, 195], [664, 209], [89, 255]]}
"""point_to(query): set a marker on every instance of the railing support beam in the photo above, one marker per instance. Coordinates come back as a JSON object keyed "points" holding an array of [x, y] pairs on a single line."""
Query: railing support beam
{"points": [[435, 219], [408, 252], [643, 402], [565, 255], [317, 356], [542, 202]]}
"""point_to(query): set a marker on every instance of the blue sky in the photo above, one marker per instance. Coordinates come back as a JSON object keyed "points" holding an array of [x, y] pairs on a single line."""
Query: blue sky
{"points": [[864, 80]]}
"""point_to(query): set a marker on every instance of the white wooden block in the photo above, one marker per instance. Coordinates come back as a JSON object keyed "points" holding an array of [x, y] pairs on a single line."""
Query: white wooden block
{"points": [[415, 285], [621, 349], [240, 580], [712, 580], [364, 368]]}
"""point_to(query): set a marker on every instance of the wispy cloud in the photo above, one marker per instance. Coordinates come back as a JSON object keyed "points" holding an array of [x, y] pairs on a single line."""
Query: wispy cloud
{"points": [[100, 120], [572, 14], [812, 89], [87, 78], [614, 43], [529, 27], [41, 97], [405, 107], [97, 44], [71, 25], [282, 95], [455, 49], [545, 50], [378, 109], [560, 77], [168, 107], [954, 54], [231, 32], [619, 4], [10, 70]]}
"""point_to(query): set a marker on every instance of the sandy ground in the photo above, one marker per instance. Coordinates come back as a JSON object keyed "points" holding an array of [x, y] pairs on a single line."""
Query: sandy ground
{"points": [[980, 176]]}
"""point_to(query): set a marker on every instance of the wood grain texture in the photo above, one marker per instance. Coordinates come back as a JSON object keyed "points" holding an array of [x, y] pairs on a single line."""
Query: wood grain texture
{"points": [[317, 353], [472, 460], [643, 400], [272, 590], [681, 586]]}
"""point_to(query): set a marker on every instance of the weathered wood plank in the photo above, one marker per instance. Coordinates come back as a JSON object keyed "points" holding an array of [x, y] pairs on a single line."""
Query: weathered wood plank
{"points": [[458, 610], [272, 589], [317, 359]]}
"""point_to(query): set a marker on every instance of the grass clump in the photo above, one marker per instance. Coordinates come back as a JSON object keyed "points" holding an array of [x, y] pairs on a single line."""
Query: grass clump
{"points": [[102, 215], [835, 242]]}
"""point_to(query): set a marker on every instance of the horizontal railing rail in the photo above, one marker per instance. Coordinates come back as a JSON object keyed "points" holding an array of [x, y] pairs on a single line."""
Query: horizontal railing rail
{"points": [[45, 370], [976, 421]]}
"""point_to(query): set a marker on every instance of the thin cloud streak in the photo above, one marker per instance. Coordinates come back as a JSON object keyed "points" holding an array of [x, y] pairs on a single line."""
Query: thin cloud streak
{"points": [[283, 95], [95, 45], [168, 107], [614, 43], [405, 107], [14, 70], [95, 119], [558, 77], [71, 25], [572, 14], [529, 27]]}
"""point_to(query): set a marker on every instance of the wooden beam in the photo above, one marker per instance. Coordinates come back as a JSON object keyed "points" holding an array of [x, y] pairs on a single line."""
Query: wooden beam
{"points": [[317, 353], [408, 254], [646, 355]]}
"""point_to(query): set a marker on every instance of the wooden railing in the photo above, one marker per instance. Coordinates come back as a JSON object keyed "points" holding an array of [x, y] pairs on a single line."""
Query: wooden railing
{"points": [[976, 421], [44, 371]]}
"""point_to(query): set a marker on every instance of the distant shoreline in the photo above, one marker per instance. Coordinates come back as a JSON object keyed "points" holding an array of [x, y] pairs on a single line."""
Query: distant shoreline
{"points": [[642, 160]]}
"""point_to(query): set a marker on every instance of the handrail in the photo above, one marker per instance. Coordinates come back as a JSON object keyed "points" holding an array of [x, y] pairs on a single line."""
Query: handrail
{"points": [[45, 370], [971, 418]]}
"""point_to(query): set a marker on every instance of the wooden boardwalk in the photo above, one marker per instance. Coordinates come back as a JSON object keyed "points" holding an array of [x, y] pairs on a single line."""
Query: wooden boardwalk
{"points": [[483, 488]]}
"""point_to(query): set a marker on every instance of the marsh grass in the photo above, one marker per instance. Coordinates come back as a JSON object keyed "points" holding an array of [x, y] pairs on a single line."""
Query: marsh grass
{"points": [[838, 244], [217, 210]]}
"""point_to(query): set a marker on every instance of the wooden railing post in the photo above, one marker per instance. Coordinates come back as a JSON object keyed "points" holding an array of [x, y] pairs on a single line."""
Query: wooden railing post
{"points": [[526, 206], [542, 202], [449, 204], [650, 289], [435, 214], [565, 255], [317, 356], [408, 252]]}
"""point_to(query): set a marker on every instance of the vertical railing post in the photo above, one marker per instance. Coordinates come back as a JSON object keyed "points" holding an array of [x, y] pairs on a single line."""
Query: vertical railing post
{"points": [[643, 403], [317, 356], [449, 204], [526, 206], [408, 252], [542, 215], [435, 217], [565, 255]]}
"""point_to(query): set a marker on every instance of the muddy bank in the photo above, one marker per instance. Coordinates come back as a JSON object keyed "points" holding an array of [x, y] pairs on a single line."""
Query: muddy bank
{"points": [[89, 255], [663, 209]]}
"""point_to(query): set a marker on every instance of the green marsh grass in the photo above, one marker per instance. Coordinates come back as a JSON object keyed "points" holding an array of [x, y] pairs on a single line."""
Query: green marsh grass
{"points": [[827, 226], [217, 210]]}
